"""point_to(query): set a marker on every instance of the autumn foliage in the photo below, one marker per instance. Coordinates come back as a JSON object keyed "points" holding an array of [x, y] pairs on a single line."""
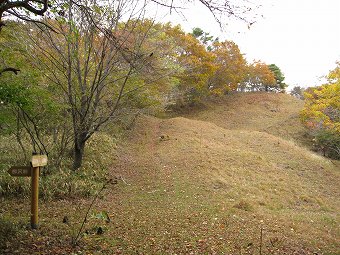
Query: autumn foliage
{"points": [[231, 68], [321, 114], [200, 65], [94, 75]]}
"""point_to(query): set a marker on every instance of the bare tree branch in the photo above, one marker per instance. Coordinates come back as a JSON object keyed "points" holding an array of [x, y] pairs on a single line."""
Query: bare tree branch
{"points": [[37, 7], [6, 5], [9, 69]]}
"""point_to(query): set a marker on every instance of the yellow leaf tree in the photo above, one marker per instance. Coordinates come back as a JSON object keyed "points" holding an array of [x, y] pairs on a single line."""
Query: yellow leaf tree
{"points": [[321, 114]]}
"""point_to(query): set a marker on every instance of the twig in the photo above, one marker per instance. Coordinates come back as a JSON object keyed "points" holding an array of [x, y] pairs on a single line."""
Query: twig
{"points": [[261, 235], [26, 18], [112, 181], [124, 180]]}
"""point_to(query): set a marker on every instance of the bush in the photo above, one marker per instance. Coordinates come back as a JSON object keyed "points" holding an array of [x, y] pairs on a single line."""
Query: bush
{"points": [[321, 115], [328, 142], [61, 181]]}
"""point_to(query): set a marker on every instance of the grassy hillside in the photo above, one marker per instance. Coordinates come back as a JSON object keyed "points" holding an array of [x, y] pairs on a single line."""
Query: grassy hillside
{"points": [[276, 114], [210, 183]]}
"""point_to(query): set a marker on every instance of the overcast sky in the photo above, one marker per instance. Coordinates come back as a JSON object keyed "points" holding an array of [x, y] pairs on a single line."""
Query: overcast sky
{"points": [[302, 37]]}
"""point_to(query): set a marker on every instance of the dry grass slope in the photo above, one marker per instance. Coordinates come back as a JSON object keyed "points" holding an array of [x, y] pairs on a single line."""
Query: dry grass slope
{"points": [[277, 114], [208, 182]]}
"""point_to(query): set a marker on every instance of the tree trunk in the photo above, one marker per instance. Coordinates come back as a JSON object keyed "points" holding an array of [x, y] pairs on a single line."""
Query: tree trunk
{"points": [[79, 145]]}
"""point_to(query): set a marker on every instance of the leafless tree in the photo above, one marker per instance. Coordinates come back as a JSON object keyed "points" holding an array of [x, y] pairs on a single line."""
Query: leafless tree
{"points": [[92, 60]]}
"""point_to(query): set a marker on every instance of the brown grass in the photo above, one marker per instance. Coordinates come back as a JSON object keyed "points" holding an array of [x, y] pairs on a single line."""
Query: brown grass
{"points": [[218, 178]]}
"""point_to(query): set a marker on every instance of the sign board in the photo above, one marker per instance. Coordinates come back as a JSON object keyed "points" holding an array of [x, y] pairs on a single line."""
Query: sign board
{"points": [[39, 160], [20, 171], [32, 171]]}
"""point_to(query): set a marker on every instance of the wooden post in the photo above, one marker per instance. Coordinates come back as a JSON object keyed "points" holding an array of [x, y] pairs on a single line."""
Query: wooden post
{"points": [[34, 197], [33, 171], [261, 236]]}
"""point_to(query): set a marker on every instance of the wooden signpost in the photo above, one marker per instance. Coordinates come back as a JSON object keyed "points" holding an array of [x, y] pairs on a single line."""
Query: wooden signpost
{"points": [[22, 171], [39, 160], [33, 171]]}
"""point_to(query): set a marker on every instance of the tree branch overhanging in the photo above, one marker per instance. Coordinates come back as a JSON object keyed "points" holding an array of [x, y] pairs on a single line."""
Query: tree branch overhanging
{"points": [[6, 5], [37, 7]]}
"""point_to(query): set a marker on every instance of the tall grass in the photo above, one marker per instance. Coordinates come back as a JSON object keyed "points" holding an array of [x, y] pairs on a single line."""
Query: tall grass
{"points": [[58, 181]]}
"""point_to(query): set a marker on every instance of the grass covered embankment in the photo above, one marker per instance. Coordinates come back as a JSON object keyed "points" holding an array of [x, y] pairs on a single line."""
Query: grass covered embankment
{"points": [[205, 183]]}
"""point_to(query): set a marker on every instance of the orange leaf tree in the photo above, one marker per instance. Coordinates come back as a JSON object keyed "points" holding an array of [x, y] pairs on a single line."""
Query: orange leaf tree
{"points": [[259, 77], [231, 67], [195, 65]]}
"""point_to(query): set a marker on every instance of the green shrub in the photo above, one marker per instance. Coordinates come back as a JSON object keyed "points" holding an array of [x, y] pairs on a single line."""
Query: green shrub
{"points": [[328, 142]]}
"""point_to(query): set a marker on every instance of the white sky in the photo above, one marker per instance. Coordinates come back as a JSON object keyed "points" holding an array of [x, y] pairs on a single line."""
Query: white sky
{"points": [[302, 37]]}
